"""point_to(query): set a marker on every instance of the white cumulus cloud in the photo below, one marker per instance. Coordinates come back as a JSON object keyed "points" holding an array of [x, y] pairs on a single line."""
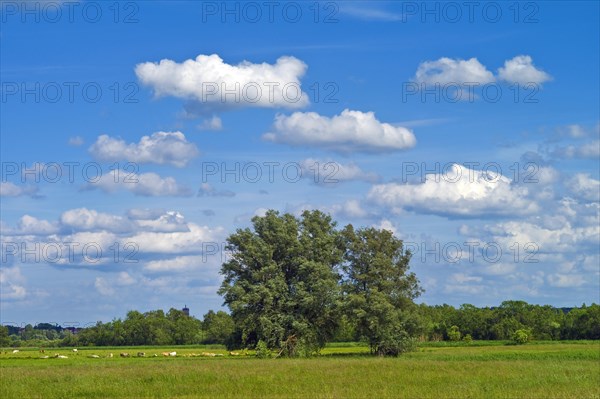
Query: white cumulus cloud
{"points": [[143, 184], [170, 148], [83, 219], [453, 71], [583, 186], [521, 70], [351, 131], [211, 83], [463, 192]]}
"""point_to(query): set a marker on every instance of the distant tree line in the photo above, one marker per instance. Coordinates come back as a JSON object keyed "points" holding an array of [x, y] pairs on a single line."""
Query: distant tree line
{"points": [[500, 323], [432, 323], [150, 328]]}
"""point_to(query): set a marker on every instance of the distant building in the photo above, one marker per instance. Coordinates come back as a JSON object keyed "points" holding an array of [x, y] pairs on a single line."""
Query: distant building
{"points": [[186, 310]]}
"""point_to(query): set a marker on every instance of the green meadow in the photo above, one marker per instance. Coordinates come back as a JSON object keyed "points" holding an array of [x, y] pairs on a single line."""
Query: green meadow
{"points": [[479, 370]]}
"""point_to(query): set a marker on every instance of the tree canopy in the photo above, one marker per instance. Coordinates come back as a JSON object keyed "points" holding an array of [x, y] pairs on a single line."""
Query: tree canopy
{"points": [[290, 280]]}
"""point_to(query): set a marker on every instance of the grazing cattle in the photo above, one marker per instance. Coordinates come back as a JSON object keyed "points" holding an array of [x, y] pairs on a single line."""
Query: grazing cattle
{"points": [[62, 357], [16, 351], [141, 354], [42, 351], [124, 354], [75, 350], [45, 357], [110, 355], [172, 353], [94, 356], [234, 354], [165, 354]]}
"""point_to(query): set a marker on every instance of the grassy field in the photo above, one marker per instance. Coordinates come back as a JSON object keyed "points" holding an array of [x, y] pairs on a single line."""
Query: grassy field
{"points": [[484, 370]]}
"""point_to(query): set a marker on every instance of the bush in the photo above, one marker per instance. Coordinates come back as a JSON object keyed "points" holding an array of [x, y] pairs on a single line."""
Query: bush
{"points": [[468, 339], [520, 337], [396, 345], [262, 350], [453, 333]]}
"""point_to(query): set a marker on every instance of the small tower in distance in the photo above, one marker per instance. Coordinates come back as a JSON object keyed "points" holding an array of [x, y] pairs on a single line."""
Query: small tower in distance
{"points": [[186, 310]]}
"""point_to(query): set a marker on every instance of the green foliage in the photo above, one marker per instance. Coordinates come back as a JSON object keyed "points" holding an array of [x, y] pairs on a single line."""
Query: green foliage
{"points": [[520, 337], [4, 339], [346, 331], [262, 350], [218, 327], [150, 328], [396, 344], [282, 282], [468, 339], [500, 323], [453, 333], [379, 289]]}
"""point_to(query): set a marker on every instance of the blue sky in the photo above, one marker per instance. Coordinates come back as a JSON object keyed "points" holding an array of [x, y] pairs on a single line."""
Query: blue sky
{"points": [[135, 136]]}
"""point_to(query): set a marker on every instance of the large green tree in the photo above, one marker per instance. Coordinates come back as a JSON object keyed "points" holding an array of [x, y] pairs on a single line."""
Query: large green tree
{"points": [[281, 281], [380, 289]]}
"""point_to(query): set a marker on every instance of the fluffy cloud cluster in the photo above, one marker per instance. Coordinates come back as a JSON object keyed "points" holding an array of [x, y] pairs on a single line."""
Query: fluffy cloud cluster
{"points": [[519, 69], [556, 246], [83, 219], [171, 148], [166, 234], [12, 284], [522, 71], [351, 131], [447, 70], [585, 187], [461, 192], [212, 83], [143, 184]]}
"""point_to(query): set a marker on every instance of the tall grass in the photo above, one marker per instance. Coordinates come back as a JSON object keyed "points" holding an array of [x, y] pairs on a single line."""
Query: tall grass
{"points": [[528, 371]]}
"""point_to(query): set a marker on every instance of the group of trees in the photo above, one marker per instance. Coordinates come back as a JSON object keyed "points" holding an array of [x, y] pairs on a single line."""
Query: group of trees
{"points": [[501, 323], [292, 284], [290, 281], [150, 328]]}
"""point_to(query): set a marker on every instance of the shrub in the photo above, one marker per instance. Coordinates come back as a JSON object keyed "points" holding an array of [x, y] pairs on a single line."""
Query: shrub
{"points": [[396, 344], [262, 350], [468, 339], [453, 333], [520, 337]]}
